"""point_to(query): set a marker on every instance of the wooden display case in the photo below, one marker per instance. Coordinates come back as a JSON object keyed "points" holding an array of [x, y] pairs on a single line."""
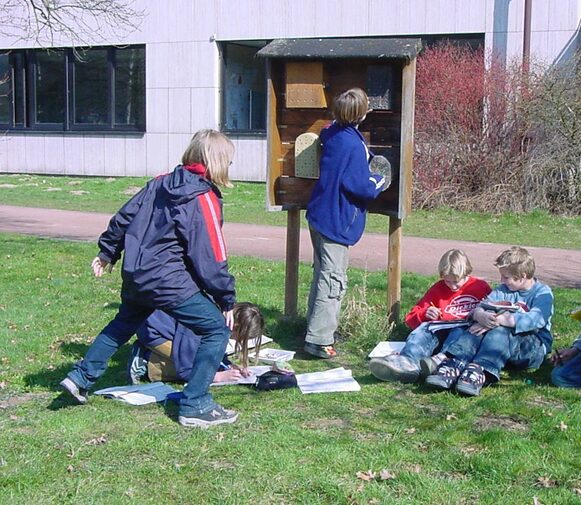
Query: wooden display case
{"points": [[303, 77]]}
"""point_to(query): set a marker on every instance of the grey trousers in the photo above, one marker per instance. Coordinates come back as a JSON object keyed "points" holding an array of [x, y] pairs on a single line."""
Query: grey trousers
{"points": [[330, 261]]}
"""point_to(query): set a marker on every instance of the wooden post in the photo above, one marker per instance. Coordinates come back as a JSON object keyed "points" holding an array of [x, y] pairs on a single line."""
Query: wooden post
{"points": [[394, 269], [292, 262]]}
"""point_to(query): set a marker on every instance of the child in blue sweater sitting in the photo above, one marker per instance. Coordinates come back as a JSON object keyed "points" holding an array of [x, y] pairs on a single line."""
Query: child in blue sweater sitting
{"points": [[500, 334], [336, 214]]}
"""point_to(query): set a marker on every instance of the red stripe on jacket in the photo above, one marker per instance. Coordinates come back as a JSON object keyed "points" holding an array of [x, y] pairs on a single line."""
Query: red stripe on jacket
{"points": [[213, 217]]}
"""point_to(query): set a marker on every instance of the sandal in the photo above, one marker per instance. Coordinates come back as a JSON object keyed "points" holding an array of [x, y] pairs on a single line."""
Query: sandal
{"points": [[320, 351]]}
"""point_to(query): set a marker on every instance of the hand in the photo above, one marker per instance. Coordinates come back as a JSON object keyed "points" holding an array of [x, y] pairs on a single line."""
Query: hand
{"points": [[485, 318], [100, 266], [230, 375], [506, 319], [561, 356], [229, 316], [243, 371], [433, 313], [477, 329]]}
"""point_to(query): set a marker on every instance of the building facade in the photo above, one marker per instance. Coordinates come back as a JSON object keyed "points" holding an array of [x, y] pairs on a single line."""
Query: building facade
{"points": [[128, 104]]}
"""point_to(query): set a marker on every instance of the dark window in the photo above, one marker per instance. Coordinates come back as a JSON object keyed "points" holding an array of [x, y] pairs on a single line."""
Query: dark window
{"points": [[129, 87], [244, 88], [91, 88], [49, 87], [5, 89], [98, 89]]}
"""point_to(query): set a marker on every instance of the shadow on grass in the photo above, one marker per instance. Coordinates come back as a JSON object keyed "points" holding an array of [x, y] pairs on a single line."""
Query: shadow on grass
{"points": [[50, 378]]}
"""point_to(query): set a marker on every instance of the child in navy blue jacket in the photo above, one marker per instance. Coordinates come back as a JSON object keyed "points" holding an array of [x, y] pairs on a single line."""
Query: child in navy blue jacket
{"points": [[174, 260], [336, 214]]}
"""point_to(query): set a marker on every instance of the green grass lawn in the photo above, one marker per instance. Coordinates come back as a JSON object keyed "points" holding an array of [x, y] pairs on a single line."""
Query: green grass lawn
{"points": [[518, 441], [245, 203]]}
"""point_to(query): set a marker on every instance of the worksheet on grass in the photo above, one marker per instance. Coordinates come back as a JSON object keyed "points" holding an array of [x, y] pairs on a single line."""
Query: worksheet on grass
{"points": [[141, 394], [331, 381]]}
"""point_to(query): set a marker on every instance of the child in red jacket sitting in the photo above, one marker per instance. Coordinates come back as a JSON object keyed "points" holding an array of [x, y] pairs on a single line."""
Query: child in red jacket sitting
{"points": [[452, 298]]}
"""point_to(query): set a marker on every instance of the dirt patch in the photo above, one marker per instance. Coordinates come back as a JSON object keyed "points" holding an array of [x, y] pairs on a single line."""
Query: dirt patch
{"points": [[15, 401], [510, 423], [539, 401], [327, 424]]}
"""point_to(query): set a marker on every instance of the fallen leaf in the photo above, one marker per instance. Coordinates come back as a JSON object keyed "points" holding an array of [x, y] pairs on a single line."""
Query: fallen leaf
{"points": [[451, 417], [562, 426], [13, 418], [2, 385], [386, 475], [546, 482], [367, 476], [410, 431], [70, 468], [97, 441], [576, 490], [536, 501]]}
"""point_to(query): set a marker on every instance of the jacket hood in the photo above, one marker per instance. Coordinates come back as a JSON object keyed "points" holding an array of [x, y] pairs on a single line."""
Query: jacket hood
{"points": [[183, 186]]}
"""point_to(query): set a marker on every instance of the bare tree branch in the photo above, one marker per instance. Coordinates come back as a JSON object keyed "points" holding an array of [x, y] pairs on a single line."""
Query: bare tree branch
{"points": [[68, 22]]}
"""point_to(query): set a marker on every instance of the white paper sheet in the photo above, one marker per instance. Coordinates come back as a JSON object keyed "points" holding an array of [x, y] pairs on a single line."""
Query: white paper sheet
{"points": [[231, 347], [271, 355], [330, 381], [255, 372], [385, 349], [141, 394]]}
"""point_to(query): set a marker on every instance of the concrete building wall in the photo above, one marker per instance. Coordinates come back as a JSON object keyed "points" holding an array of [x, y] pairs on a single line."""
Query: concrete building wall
{"points": [[183, 69]]}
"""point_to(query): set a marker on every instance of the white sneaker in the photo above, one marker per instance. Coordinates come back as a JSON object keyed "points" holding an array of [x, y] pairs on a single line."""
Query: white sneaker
{"points": [[395, 368], [217, 415], [80, 395]]}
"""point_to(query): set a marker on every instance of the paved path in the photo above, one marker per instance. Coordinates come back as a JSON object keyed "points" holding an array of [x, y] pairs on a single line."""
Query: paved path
{"points": [[556, 267]]}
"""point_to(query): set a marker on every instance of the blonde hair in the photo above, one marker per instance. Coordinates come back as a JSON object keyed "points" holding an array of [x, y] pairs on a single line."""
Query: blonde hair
{"points": [[518, 261], [455, 262], [248, 324], [350, 107], [213, 150]]}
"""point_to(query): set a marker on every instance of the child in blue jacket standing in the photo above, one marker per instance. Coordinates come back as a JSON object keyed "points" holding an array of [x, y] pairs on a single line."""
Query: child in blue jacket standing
{"points": [[336, 214], [174, 260]]}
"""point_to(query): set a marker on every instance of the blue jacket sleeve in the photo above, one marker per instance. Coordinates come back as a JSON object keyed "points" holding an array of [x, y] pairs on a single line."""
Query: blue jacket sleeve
{"points": [[201, 229], [112, 241], [539, 315], [359, 182]]}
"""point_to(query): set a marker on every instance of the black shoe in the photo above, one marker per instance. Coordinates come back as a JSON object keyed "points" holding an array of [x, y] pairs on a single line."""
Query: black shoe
{"points": [[320, 351], [78, 394], [471, 381], [217, 415], [137, 366], [446, 375]]}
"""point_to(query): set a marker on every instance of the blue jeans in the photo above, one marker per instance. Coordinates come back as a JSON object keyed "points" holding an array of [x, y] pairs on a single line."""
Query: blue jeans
{"points": [[569, 374], [422, 342], [497, 347], [198, 313]]}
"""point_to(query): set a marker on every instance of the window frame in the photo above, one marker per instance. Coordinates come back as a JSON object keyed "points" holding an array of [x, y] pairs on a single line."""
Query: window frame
{"points": [[25, 72]]}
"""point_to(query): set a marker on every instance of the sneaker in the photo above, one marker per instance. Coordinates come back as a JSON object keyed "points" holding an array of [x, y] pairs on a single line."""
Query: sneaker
{"points": [[320, 351], [80, 395], [217, 415], [430, 364], [137, 366], [447, 374], [471, 381], [395, 368]]}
